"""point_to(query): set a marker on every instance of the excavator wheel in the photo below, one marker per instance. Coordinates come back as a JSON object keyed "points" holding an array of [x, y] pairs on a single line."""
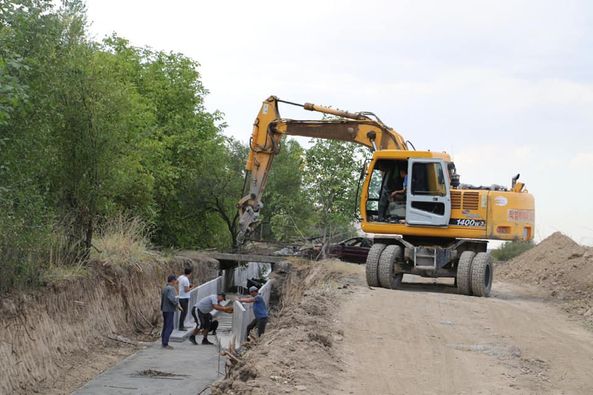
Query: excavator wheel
{"points": [[464, 272], [373, 264], [387, 278], [482, 274]]}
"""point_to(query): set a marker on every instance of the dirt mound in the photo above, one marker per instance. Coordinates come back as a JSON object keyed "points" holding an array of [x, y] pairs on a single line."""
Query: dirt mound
{"points": [[298, 351], [560, 266]]}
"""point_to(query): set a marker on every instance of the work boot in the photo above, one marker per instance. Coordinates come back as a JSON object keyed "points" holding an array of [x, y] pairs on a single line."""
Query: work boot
{"points": [[192, 339], [206, 341]]}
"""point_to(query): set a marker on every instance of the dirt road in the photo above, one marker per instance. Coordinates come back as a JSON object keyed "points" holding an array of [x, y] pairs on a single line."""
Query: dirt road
{"points": [[428, 340]]}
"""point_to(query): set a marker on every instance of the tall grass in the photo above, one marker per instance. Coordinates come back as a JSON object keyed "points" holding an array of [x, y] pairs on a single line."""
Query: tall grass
{"points": [[122, 240], [32, 254]]}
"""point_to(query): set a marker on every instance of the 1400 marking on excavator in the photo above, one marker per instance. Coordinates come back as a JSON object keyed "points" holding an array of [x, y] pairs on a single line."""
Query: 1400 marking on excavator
{"points": [[474, 223]]}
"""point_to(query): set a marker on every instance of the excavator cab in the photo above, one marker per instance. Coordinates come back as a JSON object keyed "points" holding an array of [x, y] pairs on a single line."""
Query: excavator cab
{"points": [[412, 191]]}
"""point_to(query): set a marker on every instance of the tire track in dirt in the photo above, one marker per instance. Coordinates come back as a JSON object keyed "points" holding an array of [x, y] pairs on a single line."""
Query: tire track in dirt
{"points": [[426, 339]]}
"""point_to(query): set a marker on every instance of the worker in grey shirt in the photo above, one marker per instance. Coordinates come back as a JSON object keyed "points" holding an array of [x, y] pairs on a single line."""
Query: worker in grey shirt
{"points": [[169, 304], [204, 307]]}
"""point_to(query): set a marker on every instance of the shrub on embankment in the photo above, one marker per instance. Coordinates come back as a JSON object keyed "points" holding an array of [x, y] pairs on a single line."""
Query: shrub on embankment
{"points": [[511, 249]]}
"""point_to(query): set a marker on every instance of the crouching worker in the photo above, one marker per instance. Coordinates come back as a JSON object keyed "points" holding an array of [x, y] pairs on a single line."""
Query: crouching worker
{"points": [[260, 311], [213, 324], [204, 308]]}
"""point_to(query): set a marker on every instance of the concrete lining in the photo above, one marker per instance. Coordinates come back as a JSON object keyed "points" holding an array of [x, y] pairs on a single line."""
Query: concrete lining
{"points": [[195, 368]]}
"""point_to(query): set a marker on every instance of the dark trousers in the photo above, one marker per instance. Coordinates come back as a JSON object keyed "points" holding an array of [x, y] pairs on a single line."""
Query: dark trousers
{"points": [[261, 326], [383, 204], [204, 321], [182, 314], [167, 327]]}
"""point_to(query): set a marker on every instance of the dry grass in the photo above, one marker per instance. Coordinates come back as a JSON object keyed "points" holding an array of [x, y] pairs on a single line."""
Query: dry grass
{"points": [[123, 241], [57, 274], [63, 261]]}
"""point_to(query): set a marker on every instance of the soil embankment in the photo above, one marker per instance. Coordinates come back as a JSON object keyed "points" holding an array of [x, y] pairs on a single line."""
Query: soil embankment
{"points": [[299, 351], [56, 338]]}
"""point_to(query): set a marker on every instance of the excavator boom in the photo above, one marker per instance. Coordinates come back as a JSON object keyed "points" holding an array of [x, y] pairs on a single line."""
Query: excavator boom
{"points": [[268, 129]]}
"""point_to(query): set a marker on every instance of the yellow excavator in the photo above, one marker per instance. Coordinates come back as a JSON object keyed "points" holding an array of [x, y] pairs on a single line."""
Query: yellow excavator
{"points": [[423, 220]]}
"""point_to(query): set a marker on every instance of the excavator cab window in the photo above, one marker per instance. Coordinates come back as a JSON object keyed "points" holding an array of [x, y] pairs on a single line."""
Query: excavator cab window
{"points": [[386, 178], [374, 195], [428, 201]]}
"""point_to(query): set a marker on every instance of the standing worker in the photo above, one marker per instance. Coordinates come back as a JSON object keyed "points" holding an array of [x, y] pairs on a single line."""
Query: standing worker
{"points": [[204, 308], [168, 305], [184, 288], [260, 311]]}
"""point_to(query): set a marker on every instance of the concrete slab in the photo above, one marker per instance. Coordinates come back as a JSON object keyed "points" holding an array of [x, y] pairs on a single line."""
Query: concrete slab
{"points": [[180, 336], [194, 369]]}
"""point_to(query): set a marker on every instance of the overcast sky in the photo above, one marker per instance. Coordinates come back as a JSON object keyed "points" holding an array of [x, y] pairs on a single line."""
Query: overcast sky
{"points": [[505, 87]]}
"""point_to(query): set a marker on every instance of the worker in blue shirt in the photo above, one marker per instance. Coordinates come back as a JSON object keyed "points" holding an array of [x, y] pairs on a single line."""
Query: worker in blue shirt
{"points": [[260, 311]]}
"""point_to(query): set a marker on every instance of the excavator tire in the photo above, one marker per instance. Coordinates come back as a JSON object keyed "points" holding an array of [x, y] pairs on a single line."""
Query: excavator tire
{"points": [[482, 274], [387, 278], [373, 264], [464, 272]]}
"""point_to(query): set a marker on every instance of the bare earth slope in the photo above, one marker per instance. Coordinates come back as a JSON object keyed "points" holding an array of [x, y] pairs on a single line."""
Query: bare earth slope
{"points": [[560, 267], [416, 341]]}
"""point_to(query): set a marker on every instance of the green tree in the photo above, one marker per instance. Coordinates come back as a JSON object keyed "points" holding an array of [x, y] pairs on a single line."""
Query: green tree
{"points": [[331, 176], [88, 130], [288, 210]]}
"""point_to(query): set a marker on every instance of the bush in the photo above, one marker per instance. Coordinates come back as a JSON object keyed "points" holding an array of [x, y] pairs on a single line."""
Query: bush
{"points": [[511, 249]]}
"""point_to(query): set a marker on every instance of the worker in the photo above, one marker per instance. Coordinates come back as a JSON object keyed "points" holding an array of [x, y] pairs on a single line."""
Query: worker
{"points": [[204, 309], [184, 288], [168, 305], [213, 324], [260, 311], [403, 173]]}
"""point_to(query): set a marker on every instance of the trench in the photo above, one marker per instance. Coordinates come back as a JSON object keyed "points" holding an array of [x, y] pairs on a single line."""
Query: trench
{"points": [[55, 338]]}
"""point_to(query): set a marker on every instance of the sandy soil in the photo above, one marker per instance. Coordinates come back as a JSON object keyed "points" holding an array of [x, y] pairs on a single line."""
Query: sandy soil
{"points": [[342, 337], [427, 340], [561, 268]]}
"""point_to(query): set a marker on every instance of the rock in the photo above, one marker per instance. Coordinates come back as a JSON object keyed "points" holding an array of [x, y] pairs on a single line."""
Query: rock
{"points": [[300, 387]]}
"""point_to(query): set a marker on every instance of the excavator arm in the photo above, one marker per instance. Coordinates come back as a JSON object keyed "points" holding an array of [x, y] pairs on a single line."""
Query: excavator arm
{"points": [[268, 129]]}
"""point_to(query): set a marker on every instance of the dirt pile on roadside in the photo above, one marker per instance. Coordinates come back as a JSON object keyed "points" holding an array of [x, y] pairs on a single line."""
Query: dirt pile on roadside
{"points": [[560, 266], [298, 351], [57, 337]]}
